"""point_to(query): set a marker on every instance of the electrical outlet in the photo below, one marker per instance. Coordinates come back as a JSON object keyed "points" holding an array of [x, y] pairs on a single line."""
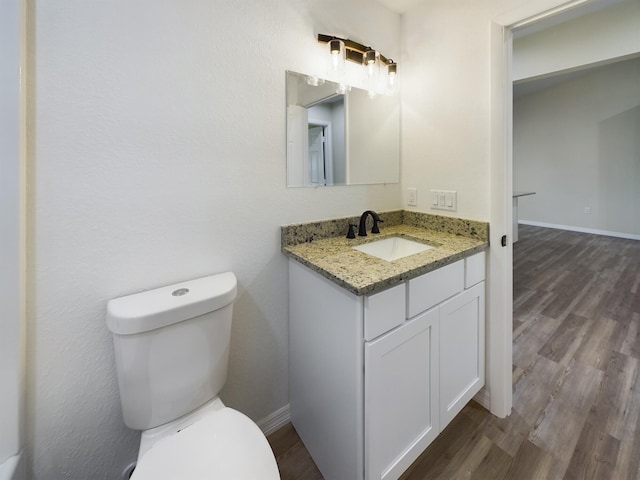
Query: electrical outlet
{"points": [[444, 200], [413, 197], [587, 210]]}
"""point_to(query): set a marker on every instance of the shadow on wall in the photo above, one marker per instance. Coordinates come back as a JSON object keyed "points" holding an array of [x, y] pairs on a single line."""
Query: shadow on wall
{"points": [[254, 333], [619, 166]]}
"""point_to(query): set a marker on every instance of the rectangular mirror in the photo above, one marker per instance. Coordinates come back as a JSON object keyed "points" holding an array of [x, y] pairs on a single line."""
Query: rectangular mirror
{"points": [[340, 138]]}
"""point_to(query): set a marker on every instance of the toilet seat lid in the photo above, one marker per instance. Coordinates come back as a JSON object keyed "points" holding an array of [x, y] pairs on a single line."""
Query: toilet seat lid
{"points": [[223, 445]]}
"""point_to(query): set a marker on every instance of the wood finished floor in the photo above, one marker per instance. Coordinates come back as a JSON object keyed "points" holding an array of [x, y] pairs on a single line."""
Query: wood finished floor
{"points": [[576, 374]]}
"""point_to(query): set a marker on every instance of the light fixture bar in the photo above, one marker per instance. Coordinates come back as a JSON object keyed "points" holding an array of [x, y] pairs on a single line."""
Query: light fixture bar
{"points": [[355, 52]]}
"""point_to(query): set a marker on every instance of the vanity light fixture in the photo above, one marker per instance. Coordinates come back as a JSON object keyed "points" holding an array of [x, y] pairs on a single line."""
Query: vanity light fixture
{"points": [[343, 48]]}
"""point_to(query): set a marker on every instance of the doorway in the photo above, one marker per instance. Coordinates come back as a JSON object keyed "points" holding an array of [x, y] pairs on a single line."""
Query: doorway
{"points": [[320, 152], [500, 294]]}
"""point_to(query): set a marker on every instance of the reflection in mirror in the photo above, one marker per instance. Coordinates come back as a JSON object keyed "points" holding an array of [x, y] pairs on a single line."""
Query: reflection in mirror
{"points": [[340, 138]]}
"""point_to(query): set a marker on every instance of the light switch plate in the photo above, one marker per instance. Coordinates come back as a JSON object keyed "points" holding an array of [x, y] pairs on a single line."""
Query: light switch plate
{"points": [[444, 200], [413, 197]]}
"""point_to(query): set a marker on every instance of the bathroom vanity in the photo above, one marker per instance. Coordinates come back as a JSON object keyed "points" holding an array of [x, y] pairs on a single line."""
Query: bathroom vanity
{"points": [[383, 354]]}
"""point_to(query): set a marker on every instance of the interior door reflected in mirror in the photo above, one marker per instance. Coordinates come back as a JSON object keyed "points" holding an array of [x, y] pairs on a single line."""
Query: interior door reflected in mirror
{"points": [[340, 138]]}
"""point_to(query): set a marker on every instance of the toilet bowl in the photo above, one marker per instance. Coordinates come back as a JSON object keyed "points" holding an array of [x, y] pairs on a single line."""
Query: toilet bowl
{"points": [[171, 348]]}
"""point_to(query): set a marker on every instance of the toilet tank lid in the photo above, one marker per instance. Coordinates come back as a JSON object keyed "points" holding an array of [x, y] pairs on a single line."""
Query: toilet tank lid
{"points": [[164, 306]]}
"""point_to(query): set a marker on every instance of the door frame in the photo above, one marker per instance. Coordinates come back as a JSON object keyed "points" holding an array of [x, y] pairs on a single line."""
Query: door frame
{"points": [[13, 221], [500, 289], [328, 153]]}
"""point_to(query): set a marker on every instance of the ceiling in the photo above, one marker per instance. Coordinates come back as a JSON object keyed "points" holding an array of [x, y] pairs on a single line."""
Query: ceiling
{"points": [[402, 6], [527, 87], [562, 17]]}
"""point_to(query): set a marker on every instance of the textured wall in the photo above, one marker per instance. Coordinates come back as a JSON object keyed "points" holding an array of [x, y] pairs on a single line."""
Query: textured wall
{"points": [[446, 100], [157, 155]]}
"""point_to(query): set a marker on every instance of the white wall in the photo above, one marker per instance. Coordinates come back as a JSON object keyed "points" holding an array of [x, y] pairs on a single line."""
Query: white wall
{"points": [[159, 155], [576, 145], [10, 226], [591, 39], [446, 103]]}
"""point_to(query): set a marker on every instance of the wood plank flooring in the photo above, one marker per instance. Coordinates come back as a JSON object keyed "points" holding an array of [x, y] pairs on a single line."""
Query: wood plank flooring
{"points": [[576, 374]]}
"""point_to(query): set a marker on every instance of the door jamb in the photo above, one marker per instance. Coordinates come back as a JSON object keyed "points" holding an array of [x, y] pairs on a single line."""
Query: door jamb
{"points": [[500, 289]]}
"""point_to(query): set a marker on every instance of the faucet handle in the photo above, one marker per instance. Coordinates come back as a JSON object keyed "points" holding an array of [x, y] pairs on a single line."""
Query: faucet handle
{"points": [[351, 233], [375, 228]]}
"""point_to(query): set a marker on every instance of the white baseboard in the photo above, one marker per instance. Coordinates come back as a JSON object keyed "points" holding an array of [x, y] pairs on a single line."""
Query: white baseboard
{"points": [[483, 398], [593, 231], [275, 420]]}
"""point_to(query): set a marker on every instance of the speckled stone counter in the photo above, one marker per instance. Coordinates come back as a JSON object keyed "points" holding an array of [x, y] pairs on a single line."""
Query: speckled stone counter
{"points": [[323, 247]]}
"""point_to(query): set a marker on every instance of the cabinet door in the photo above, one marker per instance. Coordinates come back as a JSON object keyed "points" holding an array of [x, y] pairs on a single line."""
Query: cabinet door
{"points": [[401, 396], [461, 351]]}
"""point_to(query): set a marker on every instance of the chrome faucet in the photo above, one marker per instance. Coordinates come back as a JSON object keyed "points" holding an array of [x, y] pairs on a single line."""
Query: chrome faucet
{"points": [[362, 229]]}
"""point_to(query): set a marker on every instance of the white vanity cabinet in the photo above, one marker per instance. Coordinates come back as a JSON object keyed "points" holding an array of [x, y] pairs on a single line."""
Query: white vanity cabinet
{"points": [[374, 379]]}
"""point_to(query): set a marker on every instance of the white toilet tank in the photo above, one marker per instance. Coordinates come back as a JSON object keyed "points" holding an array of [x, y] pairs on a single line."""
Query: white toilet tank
{"points": [[171, 347]]}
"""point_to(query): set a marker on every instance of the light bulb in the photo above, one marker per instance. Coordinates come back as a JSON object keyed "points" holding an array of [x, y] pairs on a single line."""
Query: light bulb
{"points": [[335, 59], [392, 70], [336, 49], [370, 62]]}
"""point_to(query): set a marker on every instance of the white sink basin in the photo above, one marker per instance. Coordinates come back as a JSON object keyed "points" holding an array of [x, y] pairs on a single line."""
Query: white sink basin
{"points": [[392, 248]]}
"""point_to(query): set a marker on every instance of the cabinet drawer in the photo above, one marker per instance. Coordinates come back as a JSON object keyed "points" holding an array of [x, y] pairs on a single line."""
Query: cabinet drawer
{"points": [[474, 269], [434, 287], [384, 311]]}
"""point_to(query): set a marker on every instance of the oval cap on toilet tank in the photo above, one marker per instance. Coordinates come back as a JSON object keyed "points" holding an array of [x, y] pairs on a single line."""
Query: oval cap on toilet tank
{"points": [[164, 306]]}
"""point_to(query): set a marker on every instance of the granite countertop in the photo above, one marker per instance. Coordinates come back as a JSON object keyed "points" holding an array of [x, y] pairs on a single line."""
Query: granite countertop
{"points": [[317, 246]]}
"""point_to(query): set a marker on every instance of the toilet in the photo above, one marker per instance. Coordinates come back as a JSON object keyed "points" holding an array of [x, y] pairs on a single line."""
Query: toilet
{"points": [[172, 350]]}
